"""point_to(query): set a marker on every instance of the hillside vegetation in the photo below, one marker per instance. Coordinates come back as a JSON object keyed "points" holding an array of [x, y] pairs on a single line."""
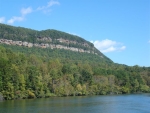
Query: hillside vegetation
{"points": [[37, 72], [45, 39]]}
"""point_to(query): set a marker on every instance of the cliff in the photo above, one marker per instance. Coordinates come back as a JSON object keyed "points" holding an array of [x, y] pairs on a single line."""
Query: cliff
{"points": [[45, 45], [52, 39]]}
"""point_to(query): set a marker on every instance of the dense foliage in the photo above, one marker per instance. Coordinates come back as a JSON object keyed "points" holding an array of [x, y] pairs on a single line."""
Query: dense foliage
{"points": [[29, 35], [43, 72], [24, 34], [30, 73]]}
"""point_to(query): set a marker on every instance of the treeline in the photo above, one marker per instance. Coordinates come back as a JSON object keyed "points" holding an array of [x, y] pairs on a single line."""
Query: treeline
{"points": [[31, 75]]}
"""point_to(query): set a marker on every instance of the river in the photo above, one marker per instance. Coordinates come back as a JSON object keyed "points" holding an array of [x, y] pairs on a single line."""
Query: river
{"points": [[133, 103]]}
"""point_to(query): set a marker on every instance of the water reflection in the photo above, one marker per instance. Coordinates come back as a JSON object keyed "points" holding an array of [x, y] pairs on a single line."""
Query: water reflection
{"points": [[90, 104]]}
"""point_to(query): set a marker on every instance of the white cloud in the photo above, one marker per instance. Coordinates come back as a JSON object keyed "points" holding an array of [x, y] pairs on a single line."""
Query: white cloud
{"points": [[46, 8], [108, 45], [52, 2], [15, 18], [25, 11], [2, 19], [74, 34], [123, 48]]}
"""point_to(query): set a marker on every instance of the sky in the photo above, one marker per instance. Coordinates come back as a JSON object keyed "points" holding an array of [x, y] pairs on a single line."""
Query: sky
{"points": [[120, 29]]}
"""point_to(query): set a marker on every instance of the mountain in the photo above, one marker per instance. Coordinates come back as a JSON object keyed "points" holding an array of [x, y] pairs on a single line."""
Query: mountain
{"points": [[51, 39], [37, 64]]}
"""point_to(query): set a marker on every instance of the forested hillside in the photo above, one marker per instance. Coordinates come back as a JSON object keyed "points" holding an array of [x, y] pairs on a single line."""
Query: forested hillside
{"points": [[36, 72], [45, 39]]}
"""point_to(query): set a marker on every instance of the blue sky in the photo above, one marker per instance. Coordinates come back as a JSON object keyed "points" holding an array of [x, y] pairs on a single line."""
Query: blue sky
{"points": [[118, 28]]}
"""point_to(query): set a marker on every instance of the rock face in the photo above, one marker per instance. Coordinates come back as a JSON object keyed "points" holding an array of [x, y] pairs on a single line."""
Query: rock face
{"points": [[45, 44], [47, 39]]}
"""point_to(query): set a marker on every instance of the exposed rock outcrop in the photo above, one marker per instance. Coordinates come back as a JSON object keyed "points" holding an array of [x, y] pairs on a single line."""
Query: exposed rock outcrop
{"points": [[47, 39], [47, 45]]}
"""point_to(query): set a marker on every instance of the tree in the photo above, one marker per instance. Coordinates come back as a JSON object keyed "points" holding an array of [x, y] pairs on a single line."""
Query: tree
{"points": [[136, 85]]}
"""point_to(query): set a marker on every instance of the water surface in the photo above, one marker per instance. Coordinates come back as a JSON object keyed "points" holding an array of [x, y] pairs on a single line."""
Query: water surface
{"points": [[137, 103]]}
